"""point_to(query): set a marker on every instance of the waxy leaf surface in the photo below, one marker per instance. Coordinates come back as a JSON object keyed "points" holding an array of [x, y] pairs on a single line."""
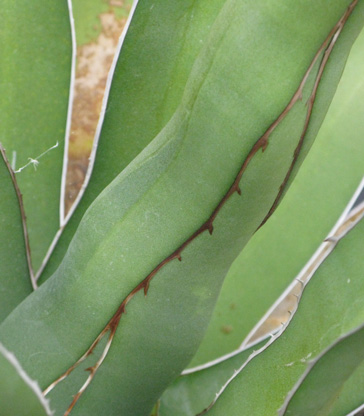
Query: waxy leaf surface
{"points": [[279, 250], [163, 205], [331, 306]]}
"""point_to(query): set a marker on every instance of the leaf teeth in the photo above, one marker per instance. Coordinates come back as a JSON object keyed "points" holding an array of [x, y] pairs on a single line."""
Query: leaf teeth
{"points": [[261, 143]]}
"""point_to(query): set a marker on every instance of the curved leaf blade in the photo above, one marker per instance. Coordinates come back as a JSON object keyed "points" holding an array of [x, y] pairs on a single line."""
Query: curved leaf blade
{"points": [[149, 216], [147, 85], [324, 184], [330, 307]]}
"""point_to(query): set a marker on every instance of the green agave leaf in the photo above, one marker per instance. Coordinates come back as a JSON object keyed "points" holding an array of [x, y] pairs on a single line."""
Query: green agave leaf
{"points": [[330, 307], [19, 395], [326, 375], [192, 392], [15, 281], [159, 209], [147, 85], [35, 81], [332, 169]]}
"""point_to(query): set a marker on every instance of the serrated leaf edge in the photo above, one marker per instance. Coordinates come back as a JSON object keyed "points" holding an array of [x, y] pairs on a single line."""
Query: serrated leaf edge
{"points": [[261, 144], [343, 226]]}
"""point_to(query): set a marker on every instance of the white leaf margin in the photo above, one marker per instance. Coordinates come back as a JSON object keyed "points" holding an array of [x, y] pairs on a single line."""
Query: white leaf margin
{"points": [[351, 216], [33, 385], [64, 219]]}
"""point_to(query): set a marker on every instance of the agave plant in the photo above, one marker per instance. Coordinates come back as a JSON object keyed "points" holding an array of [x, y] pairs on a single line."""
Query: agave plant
{"points": [[179, 280]]}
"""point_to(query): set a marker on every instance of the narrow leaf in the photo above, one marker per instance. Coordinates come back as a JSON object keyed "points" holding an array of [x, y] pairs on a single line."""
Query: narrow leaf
{"points": [[35, 81], [15, 277]]}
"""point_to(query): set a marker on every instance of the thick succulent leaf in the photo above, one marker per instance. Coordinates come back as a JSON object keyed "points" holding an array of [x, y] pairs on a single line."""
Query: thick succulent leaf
{"points": [[331, 306], [19, 395], [325, 377], [191, 393], [35, 80], [15, 282], [161, 207], [149, 79], [324, 184], [323, 381]]}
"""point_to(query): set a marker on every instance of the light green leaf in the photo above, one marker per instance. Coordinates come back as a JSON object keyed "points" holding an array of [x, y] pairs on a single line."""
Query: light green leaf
{"points": [[15, 280], [161, 207], [19, 395], [35, 81], [325, 377], [330, 307], [149, 79], [278, 251], [193, 392]]}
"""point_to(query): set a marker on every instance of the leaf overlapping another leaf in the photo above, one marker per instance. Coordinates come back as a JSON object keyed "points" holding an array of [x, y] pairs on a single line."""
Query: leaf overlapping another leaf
{"points": [[322, 318], [279, 250], [167, 193]]}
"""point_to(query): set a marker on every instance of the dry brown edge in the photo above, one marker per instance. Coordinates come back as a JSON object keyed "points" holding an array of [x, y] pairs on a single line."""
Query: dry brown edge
{"points": [[261, 143]]}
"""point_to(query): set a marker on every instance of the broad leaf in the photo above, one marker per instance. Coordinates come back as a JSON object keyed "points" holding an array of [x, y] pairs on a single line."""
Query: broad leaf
{"points": [[34, 88], [138, 111], [161, 208], [146, 89], [15, 280], [278, 251], [19, 395]]}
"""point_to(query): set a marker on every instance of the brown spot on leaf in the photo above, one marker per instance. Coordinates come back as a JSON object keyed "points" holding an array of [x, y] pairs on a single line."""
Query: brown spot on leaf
{"points": [[226, 329], [93, 64]]}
